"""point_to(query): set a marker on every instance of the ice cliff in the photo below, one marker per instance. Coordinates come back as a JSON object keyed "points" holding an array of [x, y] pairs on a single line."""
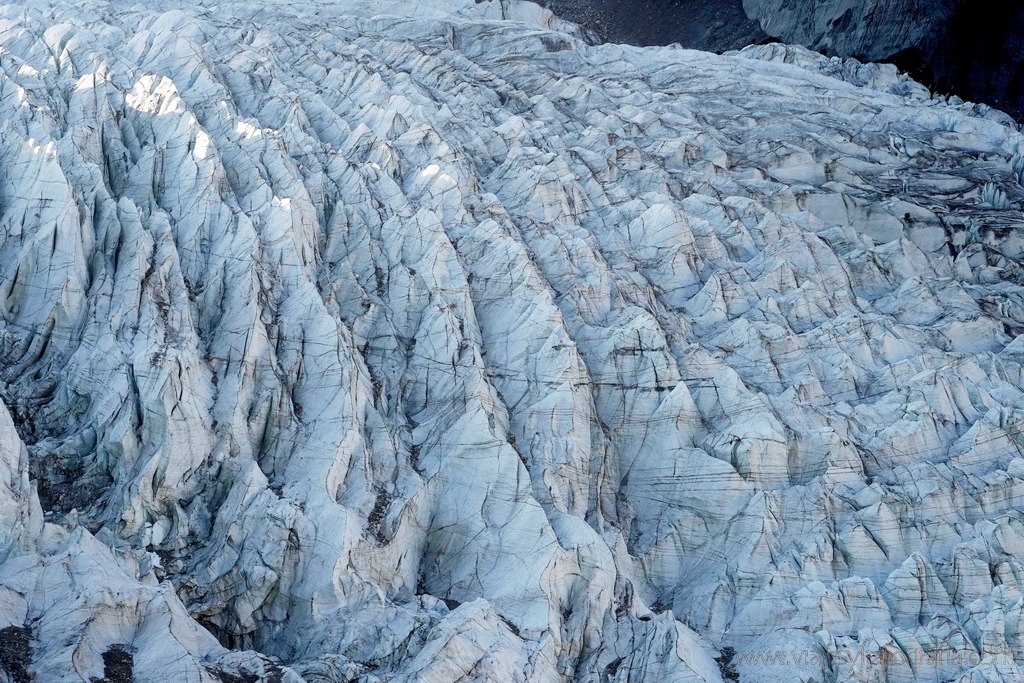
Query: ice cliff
{"points": [[876, 29], [365, 341], [972, 48]]}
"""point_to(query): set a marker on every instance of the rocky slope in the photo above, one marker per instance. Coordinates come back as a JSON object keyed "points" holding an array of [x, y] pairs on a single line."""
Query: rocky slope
{"points": [[713, 25], [425, 342]]}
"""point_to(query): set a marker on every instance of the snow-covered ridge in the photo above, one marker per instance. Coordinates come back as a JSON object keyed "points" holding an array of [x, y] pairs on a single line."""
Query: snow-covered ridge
{"points": [[422, 341]]}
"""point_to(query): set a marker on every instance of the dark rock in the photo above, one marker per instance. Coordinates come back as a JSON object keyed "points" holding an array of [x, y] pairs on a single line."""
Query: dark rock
{"points": [[713, 25], [16, 652], [725, 665], [118, 665]]}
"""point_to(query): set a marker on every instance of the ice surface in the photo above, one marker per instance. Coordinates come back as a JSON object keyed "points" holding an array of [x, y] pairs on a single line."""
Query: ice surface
{"points": [[425, 342]]}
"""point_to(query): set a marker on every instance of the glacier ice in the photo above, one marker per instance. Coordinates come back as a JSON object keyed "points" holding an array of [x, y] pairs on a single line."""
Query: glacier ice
{"points": [[972, 49], [426, 342]]}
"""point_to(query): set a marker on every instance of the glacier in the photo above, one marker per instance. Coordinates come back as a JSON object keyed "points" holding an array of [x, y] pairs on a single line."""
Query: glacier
{"points": [[973, 50], [399, 341]]}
